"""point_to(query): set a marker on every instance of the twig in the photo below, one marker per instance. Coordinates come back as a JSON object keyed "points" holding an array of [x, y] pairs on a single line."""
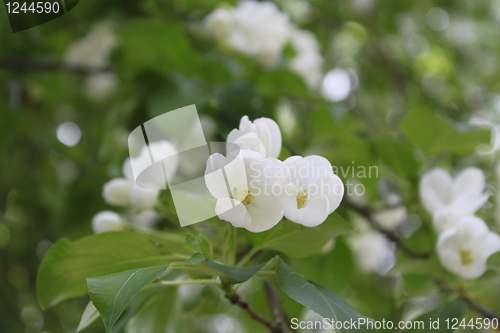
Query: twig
{"points": [[27, 64], [274, 300], [485, 312], [238, 301], [391, 235]]}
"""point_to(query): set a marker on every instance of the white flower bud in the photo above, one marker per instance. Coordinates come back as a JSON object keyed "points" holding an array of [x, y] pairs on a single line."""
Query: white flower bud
{"points": [[116, 191], [262, 135], [143, 198], [391, 218], [107, 221], [373, 253]]}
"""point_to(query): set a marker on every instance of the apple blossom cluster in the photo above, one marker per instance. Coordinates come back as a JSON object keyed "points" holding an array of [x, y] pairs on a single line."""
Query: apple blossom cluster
{"points": [[124, 192], [260, 30], [94, 51], [254, 190], [465, 242]]}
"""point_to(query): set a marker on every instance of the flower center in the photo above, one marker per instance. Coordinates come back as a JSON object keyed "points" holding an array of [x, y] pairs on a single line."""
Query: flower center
{"points": [[466, 256], [301, 198], [244, 195]]}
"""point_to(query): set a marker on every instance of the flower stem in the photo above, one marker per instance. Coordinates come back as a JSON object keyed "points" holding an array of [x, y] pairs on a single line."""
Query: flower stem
{"points": [[256, 249]]}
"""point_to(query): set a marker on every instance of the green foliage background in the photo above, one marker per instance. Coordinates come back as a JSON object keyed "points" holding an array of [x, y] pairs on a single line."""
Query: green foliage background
{"points": [[49, 191]]}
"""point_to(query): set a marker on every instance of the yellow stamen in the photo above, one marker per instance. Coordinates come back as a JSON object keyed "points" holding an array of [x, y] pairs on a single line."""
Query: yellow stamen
{"points": [[466, 256], [301, 198], [244, 195]]}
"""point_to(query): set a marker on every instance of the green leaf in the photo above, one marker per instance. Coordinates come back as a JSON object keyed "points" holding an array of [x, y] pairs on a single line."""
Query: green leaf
{"points": [[398, 156], [150, 44], [196, 259], [281, 82], [64, 269], [90, 314], [199, 244], [237, 274], [455, 309], [111, 293], [430, 267], [317, 298], [158, 314], [435, 135], [311, 240]]}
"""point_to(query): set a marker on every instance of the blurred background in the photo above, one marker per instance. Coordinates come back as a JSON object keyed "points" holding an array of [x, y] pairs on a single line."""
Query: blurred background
{"points": [[390, 76]]}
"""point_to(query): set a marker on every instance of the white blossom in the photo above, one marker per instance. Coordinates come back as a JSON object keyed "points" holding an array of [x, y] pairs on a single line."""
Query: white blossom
{"points": [[107, 221], [315, 191], [465, 248], [440, 193], [256, 185], [94, 51], [308, 62], [146, 220], [373, 252], [262, 135], [117, 191], [125, 191], [390, 218], [257, 29]]}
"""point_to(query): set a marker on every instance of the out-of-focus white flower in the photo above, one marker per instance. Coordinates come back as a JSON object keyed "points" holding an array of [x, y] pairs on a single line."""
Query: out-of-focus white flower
{"points": [[107, 221], [390, 218], [260, 30], [117, 191], [99, 86], [138, 164], [460, 196], [308, 62], [257, 187], [125, 191], [257, 29], [373, 252], [219, 22], [262, 135], [94, 51], [143, 198], [315, 191], [445, 219], [146, 219], [465, 248]]}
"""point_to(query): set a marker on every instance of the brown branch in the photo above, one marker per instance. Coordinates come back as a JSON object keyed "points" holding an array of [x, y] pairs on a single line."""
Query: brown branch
{"points": [[485, 312], [366, 213], [274, 299], [238, 301], [27, 64]]}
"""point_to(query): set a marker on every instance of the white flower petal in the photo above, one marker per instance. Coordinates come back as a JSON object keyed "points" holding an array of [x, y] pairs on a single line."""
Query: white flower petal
{"points": [[469, 180], [116, 191], [265, 212], [274, 148], [233, 211], [468, 203], [107, 221], [262, 136], [435, 190], [143, 198], [314, 213]]}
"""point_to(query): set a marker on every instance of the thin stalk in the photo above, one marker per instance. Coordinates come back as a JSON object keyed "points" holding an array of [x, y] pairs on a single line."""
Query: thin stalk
{"points": [[256, 249]]}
